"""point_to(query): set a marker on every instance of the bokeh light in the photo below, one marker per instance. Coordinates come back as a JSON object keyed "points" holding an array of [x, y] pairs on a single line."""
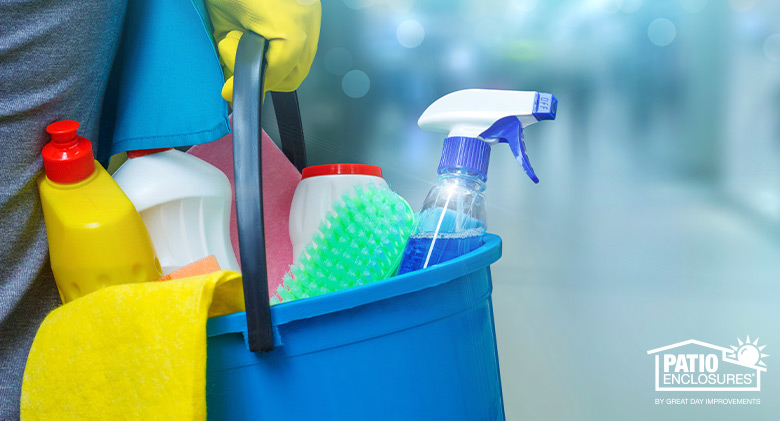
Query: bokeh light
{"points": [[661, 32], [772, 47], [410, 33], [355, 84]]}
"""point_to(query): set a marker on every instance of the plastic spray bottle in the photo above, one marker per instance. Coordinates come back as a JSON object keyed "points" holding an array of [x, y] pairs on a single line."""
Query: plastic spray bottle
{"points": [[96, 237], [453, 218]]}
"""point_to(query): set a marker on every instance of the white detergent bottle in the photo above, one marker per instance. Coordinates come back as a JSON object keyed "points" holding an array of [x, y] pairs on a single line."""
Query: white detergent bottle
{"points": [[453, 218], [185, 204], [320, 187]]}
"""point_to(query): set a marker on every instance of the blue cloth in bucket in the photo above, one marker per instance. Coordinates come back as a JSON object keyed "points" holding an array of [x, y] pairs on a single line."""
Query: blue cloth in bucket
{"points": [[166, 81], [420, 346]]}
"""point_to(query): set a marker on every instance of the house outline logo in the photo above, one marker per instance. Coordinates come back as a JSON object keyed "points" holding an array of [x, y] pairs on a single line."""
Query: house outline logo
{"points": [[748, 354]]}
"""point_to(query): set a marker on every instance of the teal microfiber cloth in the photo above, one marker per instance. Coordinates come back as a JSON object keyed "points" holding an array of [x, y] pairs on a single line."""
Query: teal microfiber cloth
{"points": [[360, 241]]}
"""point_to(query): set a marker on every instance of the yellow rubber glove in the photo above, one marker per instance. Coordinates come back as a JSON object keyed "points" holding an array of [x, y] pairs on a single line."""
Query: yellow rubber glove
{"points": [[292, 28]]}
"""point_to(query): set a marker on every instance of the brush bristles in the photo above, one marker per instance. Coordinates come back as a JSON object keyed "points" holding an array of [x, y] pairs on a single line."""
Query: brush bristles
{"points": [[360, 241]]}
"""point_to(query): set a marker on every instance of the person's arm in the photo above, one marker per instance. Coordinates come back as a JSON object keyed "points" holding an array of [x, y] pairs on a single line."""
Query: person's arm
{"points": [[291, 26]]}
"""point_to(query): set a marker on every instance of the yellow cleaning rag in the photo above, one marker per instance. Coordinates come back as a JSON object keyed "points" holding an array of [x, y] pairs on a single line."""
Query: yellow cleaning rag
{"points": [[134, 351]]}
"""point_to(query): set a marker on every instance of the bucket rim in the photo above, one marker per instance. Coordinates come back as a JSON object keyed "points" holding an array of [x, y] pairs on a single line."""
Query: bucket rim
{"points": [[307, 308]]}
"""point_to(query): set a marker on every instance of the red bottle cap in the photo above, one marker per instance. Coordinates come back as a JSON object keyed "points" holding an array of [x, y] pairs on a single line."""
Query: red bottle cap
{"points": [[68, 157], [143, 152], [333, 169]]}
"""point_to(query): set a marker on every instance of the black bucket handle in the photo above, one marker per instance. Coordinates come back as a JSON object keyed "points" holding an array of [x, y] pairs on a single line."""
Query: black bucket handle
{"points": [[249, 76]]}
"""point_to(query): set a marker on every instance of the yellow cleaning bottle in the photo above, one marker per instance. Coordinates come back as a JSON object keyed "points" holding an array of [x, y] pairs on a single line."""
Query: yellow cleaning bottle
{"points": [[96, 237]]}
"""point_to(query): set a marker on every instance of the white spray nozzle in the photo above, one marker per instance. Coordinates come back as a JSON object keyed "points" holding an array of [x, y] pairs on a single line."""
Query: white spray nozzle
{"points": [[471, 111], [488, 115]]}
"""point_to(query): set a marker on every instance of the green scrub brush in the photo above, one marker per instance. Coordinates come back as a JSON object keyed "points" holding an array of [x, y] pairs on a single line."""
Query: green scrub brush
{"points": [[360, 241]]}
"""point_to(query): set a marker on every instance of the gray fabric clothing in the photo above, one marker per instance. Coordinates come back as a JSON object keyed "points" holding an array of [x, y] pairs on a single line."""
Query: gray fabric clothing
{"points": [[55, 58]]}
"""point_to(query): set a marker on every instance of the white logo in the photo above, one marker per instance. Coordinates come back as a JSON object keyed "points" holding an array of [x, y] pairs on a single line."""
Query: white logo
{"points": [[696, 366]]}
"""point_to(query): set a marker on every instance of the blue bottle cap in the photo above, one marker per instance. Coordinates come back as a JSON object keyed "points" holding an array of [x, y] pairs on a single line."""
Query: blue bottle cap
{"points": [[466, 153]]}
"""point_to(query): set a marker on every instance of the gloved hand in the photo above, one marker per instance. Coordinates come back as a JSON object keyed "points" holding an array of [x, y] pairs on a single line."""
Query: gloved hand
{"points": [[292, 28]]}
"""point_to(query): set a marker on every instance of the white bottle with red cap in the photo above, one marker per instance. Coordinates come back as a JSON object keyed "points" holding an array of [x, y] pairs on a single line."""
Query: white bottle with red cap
{"points": [[185, 204], [320, 186]]}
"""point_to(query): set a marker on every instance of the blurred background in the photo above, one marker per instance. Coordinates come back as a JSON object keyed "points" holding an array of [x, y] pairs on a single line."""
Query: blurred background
{"points": [[657, 218]]}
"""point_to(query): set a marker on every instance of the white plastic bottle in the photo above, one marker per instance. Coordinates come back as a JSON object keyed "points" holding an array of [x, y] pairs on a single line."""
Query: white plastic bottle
{"points": [[320, 186], [185, 204]]}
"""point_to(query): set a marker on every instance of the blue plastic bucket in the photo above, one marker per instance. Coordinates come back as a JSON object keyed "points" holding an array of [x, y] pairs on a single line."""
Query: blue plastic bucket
{"points": [[417, 346]]}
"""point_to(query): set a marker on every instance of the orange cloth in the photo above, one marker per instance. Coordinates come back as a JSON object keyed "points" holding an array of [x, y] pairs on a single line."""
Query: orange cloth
{"points": [[203, 266]]}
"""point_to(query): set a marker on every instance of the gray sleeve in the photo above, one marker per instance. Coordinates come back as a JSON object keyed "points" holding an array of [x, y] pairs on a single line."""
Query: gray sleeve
{"points": [[55, 57]]}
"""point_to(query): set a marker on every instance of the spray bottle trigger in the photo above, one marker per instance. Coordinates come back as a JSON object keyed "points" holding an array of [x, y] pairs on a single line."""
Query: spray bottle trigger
{"points": [[510, 130]]}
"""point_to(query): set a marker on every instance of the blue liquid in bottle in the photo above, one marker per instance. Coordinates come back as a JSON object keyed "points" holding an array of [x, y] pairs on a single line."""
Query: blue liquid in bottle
{"points": [[451, 222], [421, 253]]}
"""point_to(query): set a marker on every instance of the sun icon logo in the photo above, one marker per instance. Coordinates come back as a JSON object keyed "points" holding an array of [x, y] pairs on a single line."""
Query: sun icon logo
{"points": [[748, 353]]}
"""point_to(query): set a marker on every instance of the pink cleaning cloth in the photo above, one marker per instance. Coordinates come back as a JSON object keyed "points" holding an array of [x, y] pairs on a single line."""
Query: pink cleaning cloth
{"points": [[280, 178]]}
